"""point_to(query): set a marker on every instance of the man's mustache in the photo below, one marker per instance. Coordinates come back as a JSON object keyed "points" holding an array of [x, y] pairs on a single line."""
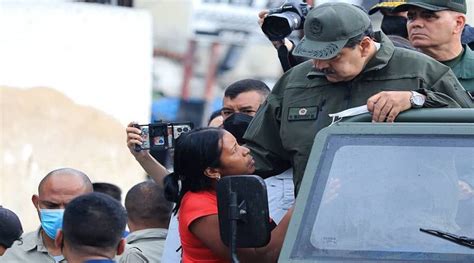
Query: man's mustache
{"points": [[327, 71]]}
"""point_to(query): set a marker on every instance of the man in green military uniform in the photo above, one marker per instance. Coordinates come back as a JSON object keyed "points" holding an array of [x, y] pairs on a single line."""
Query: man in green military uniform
{"points": [[55, 191], [435, 28], [350, 66]]}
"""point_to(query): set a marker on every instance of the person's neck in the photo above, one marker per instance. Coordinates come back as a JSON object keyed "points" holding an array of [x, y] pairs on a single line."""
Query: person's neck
{"points": [[78, 256], [137, 227], [443, 53], [82, 259], [49, 244], [85, 258]]}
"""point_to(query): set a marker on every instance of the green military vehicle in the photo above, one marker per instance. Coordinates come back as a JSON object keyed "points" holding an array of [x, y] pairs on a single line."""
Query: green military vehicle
{"points": [[400, 192], [383, 192]]}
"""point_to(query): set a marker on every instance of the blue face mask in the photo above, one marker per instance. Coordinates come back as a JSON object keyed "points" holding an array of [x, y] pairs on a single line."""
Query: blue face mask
{"points": [[51, 221]]}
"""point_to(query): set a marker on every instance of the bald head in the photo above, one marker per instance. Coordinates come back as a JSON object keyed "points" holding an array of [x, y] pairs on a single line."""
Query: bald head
{"points": [[56, 190], [153, 213], [76, 180]]}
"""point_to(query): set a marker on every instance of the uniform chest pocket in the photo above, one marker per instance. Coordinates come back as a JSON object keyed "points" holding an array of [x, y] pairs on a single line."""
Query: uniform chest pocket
{"points": [[302, 113], [299, 127]]}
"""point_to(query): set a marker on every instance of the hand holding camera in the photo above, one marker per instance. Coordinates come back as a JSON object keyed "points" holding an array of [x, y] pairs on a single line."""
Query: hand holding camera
{"points": [[158, 136], [134, 138]]}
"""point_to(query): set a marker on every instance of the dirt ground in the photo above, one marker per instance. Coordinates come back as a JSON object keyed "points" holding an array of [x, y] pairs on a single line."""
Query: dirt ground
{"points": [[41, 130]]}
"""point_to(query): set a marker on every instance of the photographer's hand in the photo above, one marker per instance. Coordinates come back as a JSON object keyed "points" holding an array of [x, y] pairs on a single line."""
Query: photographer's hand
{"points": [[134, 138], [151, 166]]}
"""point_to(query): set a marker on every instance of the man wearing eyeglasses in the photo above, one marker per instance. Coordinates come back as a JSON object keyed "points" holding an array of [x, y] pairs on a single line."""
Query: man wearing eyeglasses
{"points": [[435, 28]]}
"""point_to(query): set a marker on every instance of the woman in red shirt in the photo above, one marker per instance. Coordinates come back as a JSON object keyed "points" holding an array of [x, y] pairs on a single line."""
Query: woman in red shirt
{"points": [[201, 158]]}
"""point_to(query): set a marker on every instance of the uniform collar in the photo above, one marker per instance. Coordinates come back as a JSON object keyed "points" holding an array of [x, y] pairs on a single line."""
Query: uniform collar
{"points": [[465, 68], [383, 55], [34, 241], [379, 61], [149, 233]]}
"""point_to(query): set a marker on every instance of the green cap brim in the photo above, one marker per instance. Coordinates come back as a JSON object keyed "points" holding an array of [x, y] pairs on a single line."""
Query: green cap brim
{"points": [[317, 49], [376, 8], [405, 7], [385, 5]]}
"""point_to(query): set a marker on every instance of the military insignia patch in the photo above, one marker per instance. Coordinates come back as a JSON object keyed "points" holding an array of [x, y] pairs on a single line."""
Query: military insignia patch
{"points": [[316, 28], [302, 113]]}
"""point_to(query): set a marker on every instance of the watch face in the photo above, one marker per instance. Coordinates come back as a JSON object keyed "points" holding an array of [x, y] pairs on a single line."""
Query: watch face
{"points": [[418, 100]]}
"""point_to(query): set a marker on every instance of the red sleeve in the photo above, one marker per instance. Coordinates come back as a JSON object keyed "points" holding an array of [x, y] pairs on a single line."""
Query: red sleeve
{"points": [[196, 205]]}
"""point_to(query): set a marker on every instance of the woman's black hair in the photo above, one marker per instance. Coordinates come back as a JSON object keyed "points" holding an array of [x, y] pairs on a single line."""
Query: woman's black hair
{"points": [[194, 152]]}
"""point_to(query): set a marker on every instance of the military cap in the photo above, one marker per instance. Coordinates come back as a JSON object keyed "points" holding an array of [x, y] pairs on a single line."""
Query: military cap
{"points": [[435, 5], [385, 5], [328, 27]]}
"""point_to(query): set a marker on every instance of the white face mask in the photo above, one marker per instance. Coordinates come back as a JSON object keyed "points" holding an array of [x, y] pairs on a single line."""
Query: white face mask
{"points": [[348, 113]]}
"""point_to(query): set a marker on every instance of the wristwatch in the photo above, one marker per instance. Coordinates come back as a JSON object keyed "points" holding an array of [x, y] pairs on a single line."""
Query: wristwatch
{"points": [[417, 100]]}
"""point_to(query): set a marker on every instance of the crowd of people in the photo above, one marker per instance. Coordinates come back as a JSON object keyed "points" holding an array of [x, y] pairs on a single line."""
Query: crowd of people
{"points": [[419, 62]]}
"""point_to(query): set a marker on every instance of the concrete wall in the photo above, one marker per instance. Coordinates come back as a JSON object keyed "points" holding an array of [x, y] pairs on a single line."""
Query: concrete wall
{"points": [[98, 55]]}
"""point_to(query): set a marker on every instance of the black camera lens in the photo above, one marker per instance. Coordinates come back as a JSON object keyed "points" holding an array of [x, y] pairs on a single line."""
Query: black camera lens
{"points": [[281, 21], [179, 129], [279, 26], [185, 129]]}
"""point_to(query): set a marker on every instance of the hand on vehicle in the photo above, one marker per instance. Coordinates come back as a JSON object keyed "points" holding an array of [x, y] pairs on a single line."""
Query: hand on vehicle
{"points": [[386, 105]]}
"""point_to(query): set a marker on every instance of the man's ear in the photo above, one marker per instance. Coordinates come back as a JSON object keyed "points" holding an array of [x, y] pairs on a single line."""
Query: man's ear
{"points": [[58, 241], [35, 201], [460, 22], [121, 247], [365, 46], [213, 173]]}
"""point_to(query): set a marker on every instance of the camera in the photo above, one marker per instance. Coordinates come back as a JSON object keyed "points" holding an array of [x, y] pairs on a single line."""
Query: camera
{"points": [[281, 21], [161, 136]]}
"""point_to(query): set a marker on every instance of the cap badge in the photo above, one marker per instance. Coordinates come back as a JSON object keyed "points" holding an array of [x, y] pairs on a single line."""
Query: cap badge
{"points": [[316, 28]]}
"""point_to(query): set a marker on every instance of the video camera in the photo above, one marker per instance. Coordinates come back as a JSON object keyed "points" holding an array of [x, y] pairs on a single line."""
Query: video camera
{"points": [[281, 21], [161, 136]]}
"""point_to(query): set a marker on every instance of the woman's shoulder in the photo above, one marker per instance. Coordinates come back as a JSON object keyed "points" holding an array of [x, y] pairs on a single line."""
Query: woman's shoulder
{"points": [[196, 201], [196, 205], [201, 196]]}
